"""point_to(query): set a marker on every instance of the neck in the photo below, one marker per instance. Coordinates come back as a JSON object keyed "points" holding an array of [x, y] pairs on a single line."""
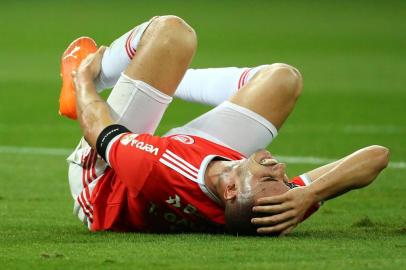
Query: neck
{"points": [[216, 177]]}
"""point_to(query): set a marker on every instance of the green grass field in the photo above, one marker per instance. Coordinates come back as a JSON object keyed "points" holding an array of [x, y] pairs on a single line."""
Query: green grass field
{"points": [[352, 55]]}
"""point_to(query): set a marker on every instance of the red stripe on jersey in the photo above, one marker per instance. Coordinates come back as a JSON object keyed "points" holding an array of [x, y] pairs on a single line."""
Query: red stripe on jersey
{"points": [[87, 168], [86, 202], [85, 160], [88, 174], [93, 167], [87, 194], [87, 214], [91, 175], [82, 202]]}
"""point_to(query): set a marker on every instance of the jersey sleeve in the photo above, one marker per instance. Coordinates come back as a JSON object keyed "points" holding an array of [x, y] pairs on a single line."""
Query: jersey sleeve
{"points": [[132, 156]]}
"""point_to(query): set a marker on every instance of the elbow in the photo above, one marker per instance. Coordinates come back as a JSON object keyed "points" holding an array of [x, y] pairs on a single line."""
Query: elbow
{"points": [[376, 159], [380, 157]]}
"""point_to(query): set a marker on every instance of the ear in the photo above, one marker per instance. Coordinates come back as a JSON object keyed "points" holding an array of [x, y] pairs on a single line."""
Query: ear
{"points": [[230, 192]]}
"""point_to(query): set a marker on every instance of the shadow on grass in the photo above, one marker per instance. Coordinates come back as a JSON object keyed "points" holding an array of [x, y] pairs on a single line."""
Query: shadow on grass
{"points": [[363, 228], [365, 222]]}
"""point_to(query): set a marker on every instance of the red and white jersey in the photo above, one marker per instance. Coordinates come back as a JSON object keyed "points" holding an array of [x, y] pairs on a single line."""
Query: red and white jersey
{"points": [[155, 184]]}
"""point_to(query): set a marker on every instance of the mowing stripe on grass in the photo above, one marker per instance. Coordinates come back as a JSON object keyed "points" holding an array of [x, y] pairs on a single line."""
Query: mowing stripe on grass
{"points": [[65, 152]]}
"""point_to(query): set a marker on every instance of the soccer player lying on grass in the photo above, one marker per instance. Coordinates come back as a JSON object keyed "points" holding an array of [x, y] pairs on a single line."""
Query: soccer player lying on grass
{"points": [[210, 175]]}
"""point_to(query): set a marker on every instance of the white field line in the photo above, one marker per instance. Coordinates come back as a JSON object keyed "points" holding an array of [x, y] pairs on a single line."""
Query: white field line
{"points": [[65, 152], [321, 161], [35, 151]]}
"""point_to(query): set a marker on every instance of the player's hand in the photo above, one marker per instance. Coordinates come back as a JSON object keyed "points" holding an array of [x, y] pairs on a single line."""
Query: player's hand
{"points": [[90, 67], [282, 212]]}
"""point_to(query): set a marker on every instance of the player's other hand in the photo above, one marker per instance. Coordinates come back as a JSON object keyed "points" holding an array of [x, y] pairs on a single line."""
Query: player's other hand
{"points": [[283, 212], [89, 68]]}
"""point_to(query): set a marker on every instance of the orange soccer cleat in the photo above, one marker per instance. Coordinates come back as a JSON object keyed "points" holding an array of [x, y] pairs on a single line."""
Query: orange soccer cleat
{"points": [[71, 59]]}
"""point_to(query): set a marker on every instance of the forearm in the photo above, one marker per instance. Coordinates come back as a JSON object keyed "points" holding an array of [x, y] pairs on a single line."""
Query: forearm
{"points": [[93, 112], [281, 213], [354, 171]]}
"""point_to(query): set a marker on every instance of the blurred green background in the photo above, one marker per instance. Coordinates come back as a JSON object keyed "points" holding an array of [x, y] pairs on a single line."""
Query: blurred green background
{"points": [[352, 55]]}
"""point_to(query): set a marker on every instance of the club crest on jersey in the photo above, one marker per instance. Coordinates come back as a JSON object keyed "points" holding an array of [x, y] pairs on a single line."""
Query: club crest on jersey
{"points": [[184, 139], [128, 138], [131, 140]]}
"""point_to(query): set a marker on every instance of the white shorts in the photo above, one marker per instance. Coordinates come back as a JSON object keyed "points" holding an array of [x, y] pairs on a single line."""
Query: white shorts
{"points": [[231, 125], [140, 107]]}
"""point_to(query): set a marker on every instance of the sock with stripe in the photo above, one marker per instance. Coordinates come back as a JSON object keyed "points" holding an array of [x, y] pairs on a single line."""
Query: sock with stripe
{"points": [[210, 86], [118, 56]]}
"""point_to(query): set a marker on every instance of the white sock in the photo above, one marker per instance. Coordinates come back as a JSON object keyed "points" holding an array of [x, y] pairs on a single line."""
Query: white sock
{"points": [[212, 86], [118, 56], [137, 105], [209, 86]]}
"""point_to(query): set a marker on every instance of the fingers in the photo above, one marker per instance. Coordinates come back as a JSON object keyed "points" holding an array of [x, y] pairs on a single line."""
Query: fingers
{"points": [[97, 55], [275, 219], [280, 228], [272, 209], [93, 57], [101, 50], [272, 200], [90, 67]]}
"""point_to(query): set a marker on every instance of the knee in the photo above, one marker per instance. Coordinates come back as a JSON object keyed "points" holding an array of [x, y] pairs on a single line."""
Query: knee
{"points": [[288, 78], [174, 32]]}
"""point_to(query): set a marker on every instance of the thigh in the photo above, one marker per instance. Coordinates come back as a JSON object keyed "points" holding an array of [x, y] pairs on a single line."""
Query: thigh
{"points": [[233, 126], [164, 53], [272, 93]]}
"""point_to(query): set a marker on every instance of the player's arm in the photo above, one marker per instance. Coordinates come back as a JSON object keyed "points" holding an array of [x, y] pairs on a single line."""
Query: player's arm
{"points": [[354, 171], [132, 156], [93, 112]]}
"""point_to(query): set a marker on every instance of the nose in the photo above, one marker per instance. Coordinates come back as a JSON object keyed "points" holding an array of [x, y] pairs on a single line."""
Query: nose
{"points": [[261, 155], [269, 166], [268, 162]]}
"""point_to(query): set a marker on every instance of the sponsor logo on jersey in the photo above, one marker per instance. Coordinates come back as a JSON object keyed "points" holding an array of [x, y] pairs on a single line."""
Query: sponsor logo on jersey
{"points": [[131, 140], [184, 139]]}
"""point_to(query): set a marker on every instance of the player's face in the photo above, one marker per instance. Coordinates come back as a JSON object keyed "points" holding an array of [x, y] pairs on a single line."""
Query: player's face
{"points": [[257, 171]]}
